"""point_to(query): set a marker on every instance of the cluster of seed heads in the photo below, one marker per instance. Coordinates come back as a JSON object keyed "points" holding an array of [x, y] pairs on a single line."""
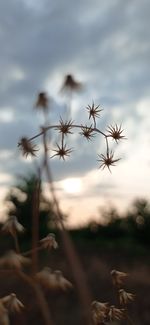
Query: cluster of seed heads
{"points": [[66, 128], [103, 312]]}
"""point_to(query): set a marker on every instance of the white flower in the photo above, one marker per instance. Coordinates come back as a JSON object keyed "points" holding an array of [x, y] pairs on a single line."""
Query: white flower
{"points": [[125, 297], [62, 282], [118, 277], [12, 303], [116, 313], [53, 280], [49, 242], [13, 260], [12, 226], [99, 311]]}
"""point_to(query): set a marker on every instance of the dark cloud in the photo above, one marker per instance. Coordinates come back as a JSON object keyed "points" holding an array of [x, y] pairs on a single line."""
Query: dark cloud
{"points": [[105, 43]]}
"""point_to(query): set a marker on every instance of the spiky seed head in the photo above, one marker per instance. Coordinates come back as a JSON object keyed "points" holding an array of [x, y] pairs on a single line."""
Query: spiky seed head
{"points": [[27, 147], [62, 151], [115, 132], [42, 101], [87, 132], [108, 160]]}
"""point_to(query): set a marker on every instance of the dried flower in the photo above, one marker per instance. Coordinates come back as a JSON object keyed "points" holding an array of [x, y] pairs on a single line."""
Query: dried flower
{"points": [[70, 84], [65, 127], [27, 147], [118, 277], [42, 101], [107, 161], [61, 281], [12, 226], [53, 280], [125, 297], [62, 151], [87, 132], [116, 313], [99, 311], [12, 303], [49, 241], [13, 260], [115, 132], [94, 111]]}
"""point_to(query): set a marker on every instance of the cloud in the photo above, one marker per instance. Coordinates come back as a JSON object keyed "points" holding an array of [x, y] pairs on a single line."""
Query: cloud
{"points": [[104, 44]]}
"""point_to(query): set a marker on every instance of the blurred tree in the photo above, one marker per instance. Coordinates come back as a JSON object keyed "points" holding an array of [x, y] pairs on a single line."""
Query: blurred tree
{"points": [[21, 200]]}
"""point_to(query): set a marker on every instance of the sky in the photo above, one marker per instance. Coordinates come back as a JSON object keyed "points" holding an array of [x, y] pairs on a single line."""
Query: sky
{"points": [[105, 46]]}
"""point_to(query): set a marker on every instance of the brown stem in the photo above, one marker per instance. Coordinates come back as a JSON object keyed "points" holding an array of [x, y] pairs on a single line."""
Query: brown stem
{"points": [[31, 251], [16, 243], [35, 225], [73, 259]]}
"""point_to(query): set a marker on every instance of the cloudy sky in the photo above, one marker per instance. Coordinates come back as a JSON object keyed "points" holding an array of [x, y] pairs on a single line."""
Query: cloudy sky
{"points": [[103, 44]]}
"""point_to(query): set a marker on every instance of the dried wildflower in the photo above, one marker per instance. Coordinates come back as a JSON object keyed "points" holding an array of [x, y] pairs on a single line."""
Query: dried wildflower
{"points": [[125, 297], [118, 277], [53, 280], [12, 303], [12, 226], [4, 319], [13, 260], [45, 277], [107, 161], [62, 151], [87, 132], [116, 313], [27, 147], [65, 127], [70, 84], [49, 241], [94, 111], [61, 281], [99, 311], [115, 132], [42, 101]]}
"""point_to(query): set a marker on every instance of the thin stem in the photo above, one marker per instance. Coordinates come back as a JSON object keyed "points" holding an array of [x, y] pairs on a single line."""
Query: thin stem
{"points": [[78, 274], [16, 243], [38, 248], [35, 224], [107, 146], [45, 129]]}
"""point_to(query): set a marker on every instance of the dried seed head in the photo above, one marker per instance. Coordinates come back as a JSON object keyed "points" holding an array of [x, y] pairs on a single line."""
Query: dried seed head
{"points": [[116, 313], [65, 127], [87, 132], [115, 132], [42, 101], [12, 303], [125, 297], [49, 242], [53, 280], [62, 151], [94, 111], [70, 84], [13, 260], [99, 311], [118, 278], [62, 282], [27, 147], [107, 161], [12, 226]]}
